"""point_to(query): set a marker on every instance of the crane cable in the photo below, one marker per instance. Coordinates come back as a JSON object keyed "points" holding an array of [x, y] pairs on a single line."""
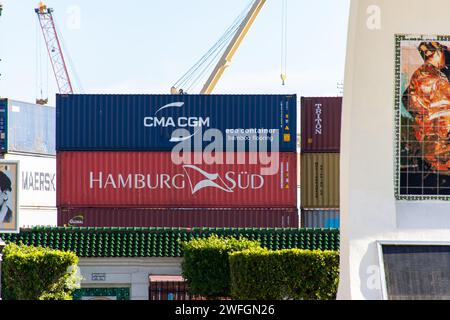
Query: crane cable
{"points": [[39, 80], [190, 79], [284, 41], [77, 85], [41, 54], [197, 72], [214, 57]]}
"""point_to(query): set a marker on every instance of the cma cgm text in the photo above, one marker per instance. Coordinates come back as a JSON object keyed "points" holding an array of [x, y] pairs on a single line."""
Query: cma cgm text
{"points": [[181, 122]]}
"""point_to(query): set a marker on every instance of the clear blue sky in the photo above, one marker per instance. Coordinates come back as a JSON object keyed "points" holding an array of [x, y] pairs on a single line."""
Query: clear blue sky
{"points": [[144, 46]]}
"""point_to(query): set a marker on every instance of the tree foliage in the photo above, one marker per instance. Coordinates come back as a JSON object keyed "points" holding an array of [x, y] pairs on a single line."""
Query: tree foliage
{"points": [[261, 274], [206, 267], [35, 273]]}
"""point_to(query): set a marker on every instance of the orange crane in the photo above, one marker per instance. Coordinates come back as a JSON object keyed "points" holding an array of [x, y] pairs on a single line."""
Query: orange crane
{"points": [[55, 52]]}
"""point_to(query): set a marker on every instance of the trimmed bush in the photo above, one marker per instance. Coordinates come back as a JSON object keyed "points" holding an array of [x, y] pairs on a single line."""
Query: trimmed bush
{"points": [[261, 274], [35, 273], [206, 266]]}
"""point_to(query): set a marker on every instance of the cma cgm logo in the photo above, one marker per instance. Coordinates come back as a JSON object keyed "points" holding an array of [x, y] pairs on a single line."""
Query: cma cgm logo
{"points": [[197, 178], [179, 122]]}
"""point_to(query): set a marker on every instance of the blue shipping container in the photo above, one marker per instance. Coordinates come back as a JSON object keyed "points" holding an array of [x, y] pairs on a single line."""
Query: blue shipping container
{"points": [[161, 122], [27, 128], [329, 219]]}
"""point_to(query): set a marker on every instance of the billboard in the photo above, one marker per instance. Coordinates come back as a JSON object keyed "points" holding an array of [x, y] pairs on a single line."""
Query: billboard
{"points": [[9, 196], [422, 117]]}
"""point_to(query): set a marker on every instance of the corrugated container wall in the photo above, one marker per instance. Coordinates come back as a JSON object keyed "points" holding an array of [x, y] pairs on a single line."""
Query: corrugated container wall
{"points": [[320, 219], [27, 128], [161, 122], [152, 179], [321, 124], [320, 180], [178, 218]]}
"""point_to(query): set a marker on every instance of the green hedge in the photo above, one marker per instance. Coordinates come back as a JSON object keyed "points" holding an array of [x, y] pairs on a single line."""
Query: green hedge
{"points": [[34, 273], [261, 274], [164, 242], [206, 267]]}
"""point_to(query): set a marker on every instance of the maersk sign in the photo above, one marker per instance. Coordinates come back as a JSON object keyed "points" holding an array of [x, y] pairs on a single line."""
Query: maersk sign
{"points": [[176, 122]]}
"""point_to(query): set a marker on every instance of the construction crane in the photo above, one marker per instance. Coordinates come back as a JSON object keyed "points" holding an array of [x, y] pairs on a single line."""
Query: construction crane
{"points": [[229, 53], [239, 29], [55, 53]]}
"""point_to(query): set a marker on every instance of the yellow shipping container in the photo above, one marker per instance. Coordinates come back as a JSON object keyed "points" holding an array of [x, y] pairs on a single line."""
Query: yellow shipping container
{"points": [[320, 180]]}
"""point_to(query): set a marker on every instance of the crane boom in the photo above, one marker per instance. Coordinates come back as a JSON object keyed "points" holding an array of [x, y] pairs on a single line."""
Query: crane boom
{"points": [[234, 45], [54, 49]]}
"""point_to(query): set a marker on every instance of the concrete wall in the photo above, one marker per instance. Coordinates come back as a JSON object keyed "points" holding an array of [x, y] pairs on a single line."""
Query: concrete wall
{"points": [[369, 210], [127, 272]]}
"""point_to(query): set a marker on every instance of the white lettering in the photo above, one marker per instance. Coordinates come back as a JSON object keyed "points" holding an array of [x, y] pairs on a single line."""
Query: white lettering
{"points": [[261, 182], [110, 181], [232, 180], [318, 119], [229, 176], [149, 182], [182, 122], [139, 181], [165, 178], [179, 177], [241, 178], [92, 180], [124, 183]]}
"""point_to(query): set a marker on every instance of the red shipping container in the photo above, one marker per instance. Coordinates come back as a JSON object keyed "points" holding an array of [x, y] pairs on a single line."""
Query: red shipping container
{"points": [[178, 218], [321, 124], [152, 179]]}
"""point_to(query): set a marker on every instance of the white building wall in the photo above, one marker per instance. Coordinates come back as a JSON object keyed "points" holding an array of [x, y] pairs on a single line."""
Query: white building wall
{"points": [[132, 273], [369, 210], [30, 217]]}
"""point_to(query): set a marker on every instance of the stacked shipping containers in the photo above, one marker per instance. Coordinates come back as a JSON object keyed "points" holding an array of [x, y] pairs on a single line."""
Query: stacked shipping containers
{"points": [[158, 160], [320, 154], [27, 135]]}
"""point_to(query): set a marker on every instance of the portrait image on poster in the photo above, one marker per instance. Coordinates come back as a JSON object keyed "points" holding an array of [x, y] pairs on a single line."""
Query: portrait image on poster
{"points": [[8, 197], [423, 117]]}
